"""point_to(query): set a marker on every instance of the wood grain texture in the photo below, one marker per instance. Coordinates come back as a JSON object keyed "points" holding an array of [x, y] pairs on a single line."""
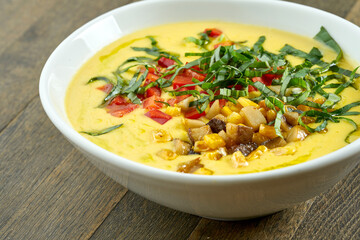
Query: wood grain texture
{"points": [[137, 218], [49, 191], [337, 7], [25, 55]]}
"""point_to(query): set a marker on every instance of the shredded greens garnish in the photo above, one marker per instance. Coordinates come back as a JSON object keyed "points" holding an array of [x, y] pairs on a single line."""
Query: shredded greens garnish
{"points": [[233, 71], [103, 131]]}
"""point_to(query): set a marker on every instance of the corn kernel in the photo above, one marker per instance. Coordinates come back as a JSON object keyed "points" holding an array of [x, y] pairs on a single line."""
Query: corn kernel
{"points": [[235, 118], [200, 146], [238, 160], [213, 155], [267, 131], [257, 153], [167, 154], [160, 135], [173, 111], [247, 102], [214, 141], [234, 107], [263, 111], [279, 151], [270, 115], [254, 94], [226, 111], [204, 171]]}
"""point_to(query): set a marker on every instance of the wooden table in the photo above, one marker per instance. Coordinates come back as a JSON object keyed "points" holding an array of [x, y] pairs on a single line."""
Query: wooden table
{"points": [[48, 190]]}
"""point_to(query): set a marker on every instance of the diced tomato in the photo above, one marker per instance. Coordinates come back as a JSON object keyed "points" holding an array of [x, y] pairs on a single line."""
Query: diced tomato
{"points": [[177, 99], [141, 96], [194, 114], [222, 102], [152, 103], [225, 43], [153, 91], [180, 81], [119, 100], [106, 88], [158, 116], [165, 62], [150, 70], [213, 32], [121, 110], [268, 78], [193, 74], [172, 101], [258, 79], [151, 77]]}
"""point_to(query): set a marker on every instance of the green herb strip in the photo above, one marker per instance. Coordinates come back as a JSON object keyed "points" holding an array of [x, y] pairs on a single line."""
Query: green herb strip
{"points": [[229, 67], [104, 131]]}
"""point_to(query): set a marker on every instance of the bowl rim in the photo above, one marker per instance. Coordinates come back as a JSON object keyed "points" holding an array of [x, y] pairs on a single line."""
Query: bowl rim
{"points": [[160, 174]]}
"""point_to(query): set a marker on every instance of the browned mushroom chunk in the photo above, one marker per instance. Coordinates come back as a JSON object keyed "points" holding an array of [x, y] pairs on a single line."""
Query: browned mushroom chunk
{"points": [[245, 149], [181, 147], [197, 134], [275, 142], [190, 167], [245, 134], [297, 133], [291, 118], [217, 125]]}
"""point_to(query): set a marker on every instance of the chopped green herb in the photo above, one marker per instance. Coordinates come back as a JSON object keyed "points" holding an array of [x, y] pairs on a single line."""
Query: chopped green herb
{"points": [[104, 131]]}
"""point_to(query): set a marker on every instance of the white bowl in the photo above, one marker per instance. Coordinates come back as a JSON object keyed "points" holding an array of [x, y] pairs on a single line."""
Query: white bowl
{"points": [[219, 197]]}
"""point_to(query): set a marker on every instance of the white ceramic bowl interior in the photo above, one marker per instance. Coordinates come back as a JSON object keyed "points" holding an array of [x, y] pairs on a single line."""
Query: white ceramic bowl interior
{"points": [[220, 197]]}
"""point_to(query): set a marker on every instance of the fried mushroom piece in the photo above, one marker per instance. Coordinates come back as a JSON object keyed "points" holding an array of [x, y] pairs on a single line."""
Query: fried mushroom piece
{"points": [[217, 125], [181, 147], [190, 167], [245, 149], [275, 142], [245, 134], [197, 134]]}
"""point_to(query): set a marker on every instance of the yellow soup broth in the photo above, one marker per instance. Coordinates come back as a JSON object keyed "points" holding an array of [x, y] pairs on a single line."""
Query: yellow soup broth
{"points": [[134, 139]]}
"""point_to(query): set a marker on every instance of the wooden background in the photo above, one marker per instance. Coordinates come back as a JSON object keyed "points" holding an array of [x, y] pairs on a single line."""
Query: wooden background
{"points": [[48, 190]]}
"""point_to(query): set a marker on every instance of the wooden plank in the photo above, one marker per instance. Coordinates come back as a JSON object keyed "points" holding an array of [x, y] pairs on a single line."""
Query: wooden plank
{"points": [[334, 215], [340, 8], [69, 204], [281, 225], [21, 62], [21, 18], [30, 149], [354, 14], [137, 218]]}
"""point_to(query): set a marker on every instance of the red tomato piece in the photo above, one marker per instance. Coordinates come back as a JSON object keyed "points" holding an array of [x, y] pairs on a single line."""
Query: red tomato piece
{"points": [[165, 62], [255, 79], [158, 116], [106, 88], [213, 32], [150, 70], [151, 77], [193, 74], [177, 99], [225, 43], [141, 96], [222, 102], [268, 78], [153, 91], [152, 103], [194, 114], [121, 110], [119, 100], [180, 81]]}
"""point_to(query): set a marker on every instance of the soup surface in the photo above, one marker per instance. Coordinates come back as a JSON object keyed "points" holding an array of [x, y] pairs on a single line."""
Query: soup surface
{"points": [[150, 140]]}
